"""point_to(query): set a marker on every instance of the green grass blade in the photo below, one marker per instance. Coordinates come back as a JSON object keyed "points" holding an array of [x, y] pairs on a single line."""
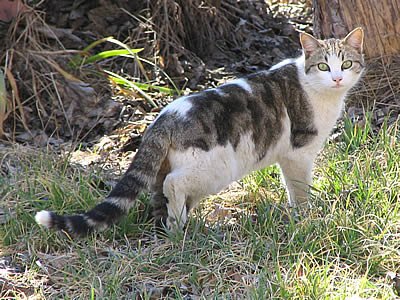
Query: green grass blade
{"points": [[107, 54], [78, 60], [117, 78], [143, 86], [177, 90]]}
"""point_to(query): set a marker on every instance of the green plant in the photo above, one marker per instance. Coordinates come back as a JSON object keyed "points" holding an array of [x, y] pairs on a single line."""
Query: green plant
{"points": [[140, 87], [356, 134]]}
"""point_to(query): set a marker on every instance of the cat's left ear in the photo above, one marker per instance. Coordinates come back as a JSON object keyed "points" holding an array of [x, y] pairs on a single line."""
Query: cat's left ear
{"points": [[308, 43], [355, 39]]}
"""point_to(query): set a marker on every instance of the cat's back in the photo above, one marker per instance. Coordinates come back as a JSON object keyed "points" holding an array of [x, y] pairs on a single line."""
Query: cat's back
{"points": [[257, 105], [239, 96]]}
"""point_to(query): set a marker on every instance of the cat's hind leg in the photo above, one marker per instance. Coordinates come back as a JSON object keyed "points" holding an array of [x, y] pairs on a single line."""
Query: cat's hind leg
{"points": [[195, 174], [159, 209], [184, 189], [158, 201]]}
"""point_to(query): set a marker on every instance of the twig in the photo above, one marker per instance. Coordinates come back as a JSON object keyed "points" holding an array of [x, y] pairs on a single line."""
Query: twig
{"points": [[19, 105]]}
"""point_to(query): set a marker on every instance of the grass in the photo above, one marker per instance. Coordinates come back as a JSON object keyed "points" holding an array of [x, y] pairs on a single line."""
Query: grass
{"points": [[240, 244]]}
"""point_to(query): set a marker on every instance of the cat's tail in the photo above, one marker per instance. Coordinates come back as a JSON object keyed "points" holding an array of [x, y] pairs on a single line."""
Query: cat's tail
{"points": [[140, 175]]}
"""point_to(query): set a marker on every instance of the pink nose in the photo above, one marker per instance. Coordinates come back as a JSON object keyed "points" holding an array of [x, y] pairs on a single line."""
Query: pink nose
{"points": [[337, 79]]}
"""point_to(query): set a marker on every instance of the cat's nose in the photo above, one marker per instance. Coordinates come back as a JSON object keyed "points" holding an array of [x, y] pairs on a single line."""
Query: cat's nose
{"points": [[337, 78]]}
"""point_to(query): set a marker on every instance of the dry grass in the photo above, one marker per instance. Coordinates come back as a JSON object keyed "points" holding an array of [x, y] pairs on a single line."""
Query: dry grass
{"points": [[380, 87], [192, 26], [32, 57]]}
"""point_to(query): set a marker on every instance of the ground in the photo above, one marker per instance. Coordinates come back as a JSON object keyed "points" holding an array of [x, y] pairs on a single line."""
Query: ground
{"points": [[243, 243]]}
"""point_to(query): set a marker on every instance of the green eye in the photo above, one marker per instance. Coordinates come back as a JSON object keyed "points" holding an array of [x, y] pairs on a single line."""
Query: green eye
{"points": [[323, 67], [347, 64]]}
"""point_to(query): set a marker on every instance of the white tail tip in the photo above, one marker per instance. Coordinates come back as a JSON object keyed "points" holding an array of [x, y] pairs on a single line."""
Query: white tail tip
{"points": [[43, 218]]}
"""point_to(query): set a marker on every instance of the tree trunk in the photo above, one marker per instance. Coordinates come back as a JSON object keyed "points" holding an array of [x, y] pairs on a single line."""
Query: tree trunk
{"points": [[380, 20]]}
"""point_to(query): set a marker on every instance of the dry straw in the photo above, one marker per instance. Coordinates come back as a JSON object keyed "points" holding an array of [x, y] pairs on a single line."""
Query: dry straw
{"points": [[380, 85], [30, 72]]}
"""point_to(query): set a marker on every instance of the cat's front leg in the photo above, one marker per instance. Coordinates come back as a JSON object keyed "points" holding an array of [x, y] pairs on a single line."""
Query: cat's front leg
{"points": [[297, 174]]}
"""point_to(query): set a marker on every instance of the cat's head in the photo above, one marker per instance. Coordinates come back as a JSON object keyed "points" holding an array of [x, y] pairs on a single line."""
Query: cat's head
{"points": [[333, 63]]}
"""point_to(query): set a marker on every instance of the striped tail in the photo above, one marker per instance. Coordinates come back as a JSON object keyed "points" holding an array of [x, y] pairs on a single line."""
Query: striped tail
{"points": [[140, 175]]}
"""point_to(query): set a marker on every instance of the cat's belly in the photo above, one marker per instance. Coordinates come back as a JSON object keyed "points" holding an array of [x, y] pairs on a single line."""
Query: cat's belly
{"points": [[208, 172]]}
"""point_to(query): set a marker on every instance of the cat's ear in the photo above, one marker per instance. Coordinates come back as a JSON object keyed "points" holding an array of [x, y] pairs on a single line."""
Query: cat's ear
{"points": [[355, 39], [308, 43]]}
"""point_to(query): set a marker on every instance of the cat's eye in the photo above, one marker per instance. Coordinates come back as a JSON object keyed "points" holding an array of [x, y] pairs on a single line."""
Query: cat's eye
{"points": [[323, 67], [347, 64]]}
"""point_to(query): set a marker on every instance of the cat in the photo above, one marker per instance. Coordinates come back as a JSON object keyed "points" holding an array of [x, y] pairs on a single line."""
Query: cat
{"points": [[201, 143]]}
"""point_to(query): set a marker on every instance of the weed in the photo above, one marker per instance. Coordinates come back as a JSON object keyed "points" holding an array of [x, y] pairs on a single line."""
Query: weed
{"points": [[85, 59]]}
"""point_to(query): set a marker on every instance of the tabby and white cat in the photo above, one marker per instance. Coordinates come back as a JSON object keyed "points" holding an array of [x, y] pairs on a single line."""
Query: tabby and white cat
{"points": [[199, 144]]}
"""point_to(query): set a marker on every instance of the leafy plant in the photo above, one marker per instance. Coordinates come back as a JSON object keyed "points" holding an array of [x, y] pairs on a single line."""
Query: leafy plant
{"points": [[356, 134], [85, 58], [140, 87]]}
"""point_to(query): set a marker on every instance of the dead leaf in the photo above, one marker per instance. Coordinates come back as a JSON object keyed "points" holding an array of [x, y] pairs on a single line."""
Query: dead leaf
{"points": [[84, 158]]}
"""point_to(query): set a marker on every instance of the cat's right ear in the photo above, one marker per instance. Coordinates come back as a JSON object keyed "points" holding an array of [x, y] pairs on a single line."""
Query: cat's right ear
{"points": [[355, 39], [308, 43]]}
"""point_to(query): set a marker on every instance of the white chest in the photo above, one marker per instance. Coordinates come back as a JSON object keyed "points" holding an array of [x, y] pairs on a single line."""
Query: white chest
{"points": [[326, 113]]}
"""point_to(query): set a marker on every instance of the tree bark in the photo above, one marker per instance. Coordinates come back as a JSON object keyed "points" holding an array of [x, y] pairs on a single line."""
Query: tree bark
{"points": [[380, 20]]}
